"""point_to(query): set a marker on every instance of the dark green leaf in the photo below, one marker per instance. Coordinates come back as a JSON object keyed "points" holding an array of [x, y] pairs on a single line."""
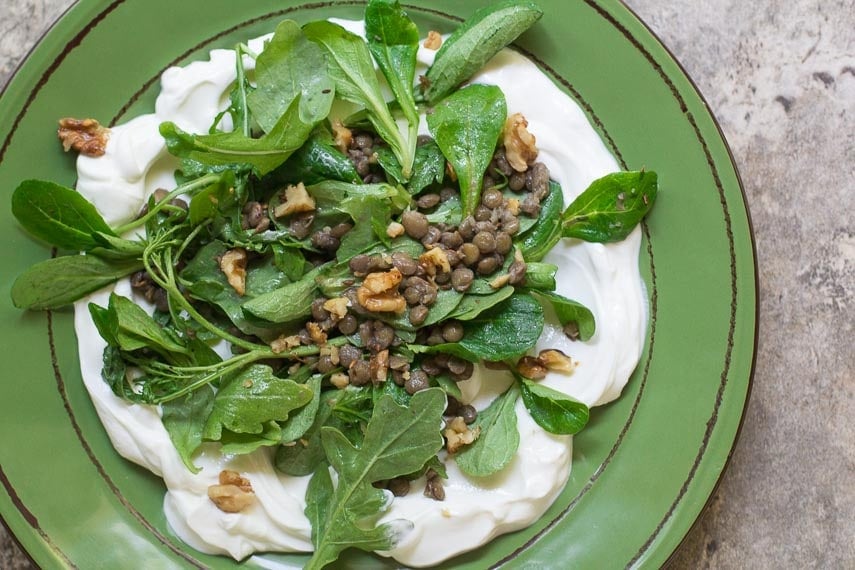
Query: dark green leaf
{"points": [[315, 162], [184, 419], [287, 303], [137, 329], [290, 67], [250, 399], [393, 40], [352, 69], [305, 454], [242, 443], [299, 423], [234, 150], [552, 410], [398, 440], [472, 44], [569, 311], [466, 126], [58, 215], [498, 440], [59, 281], [611, 207], [540, 276], [543, 236], [473, 305], [319, 496]]}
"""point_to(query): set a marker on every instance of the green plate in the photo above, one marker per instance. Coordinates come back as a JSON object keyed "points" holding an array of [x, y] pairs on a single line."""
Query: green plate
{"points": [[643, 470]]}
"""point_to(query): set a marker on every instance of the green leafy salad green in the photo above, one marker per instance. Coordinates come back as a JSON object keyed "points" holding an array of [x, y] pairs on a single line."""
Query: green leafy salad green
{"points": [[321, 285]]}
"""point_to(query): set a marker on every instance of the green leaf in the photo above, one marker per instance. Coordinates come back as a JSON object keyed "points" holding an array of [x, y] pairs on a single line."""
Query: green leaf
{"points": [[445, 304], [287, 303], [611, 207], [315, 162], [290, 67], [467, 126], [60, 281], [307, 453], [569, 311], [428, 168], [213, 200], [234, 150], [393, 40], [242, 443], [319, 495], [473, 305], [540, 276], [352, 69], [184, 420], [298, 424], [250, 399], [504, 331], [371, 217], [498, 440], [138, 330], [552, 410], [58, 215], [543, 235], [472, 44], [398, 440]]}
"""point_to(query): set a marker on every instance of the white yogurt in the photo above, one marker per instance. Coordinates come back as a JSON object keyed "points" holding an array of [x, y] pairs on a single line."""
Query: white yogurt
{"points": [[603, 277]]}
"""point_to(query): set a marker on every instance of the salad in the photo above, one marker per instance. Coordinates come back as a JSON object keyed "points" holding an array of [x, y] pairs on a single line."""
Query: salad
{"points": [[324, 278]]}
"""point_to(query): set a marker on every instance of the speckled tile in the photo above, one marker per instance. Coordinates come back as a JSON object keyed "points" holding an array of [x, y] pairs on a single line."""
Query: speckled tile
{"points": [[780, 77]]}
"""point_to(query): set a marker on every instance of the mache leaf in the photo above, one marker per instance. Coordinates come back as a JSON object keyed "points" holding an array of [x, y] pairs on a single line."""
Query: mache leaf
{"points": [[497, 441], [554, 411]]}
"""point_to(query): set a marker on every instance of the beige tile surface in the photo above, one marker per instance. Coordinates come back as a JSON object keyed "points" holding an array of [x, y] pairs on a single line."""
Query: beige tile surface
{"points": [[780, 77]]}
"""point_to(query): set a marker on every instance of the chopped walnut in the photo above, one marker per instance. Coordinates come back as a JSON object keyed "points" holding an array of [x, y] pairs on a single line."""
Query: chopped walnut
{"points": [[457, 434], [513, 206], [433, 40], [556, 360], [340, 380], [531, 367], [520, 149], [86, 136], [233, 265], [337, 306], [296, 200], [343, 136], [332, 352], [233, 494], [379, 366], [316, 333], [284, 343], [394, 229], [379, 292], [433, 259]]}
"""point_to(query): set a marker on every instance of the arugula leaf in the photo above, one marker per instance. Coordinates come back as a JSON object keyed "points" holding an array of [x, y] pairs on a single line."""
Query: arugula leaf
{"points": [[298, 424], [290, 67], [58, 215], [184, 419], [60, 281], [242, 443], [393, 40], [498, 441], [135, 329], [610, 208], [246, 401], [351, 67], [473, 43], [569, 311], [235, 150], [552, 410], [371, 217], [307, 453], [467, 126], [398, 440]]}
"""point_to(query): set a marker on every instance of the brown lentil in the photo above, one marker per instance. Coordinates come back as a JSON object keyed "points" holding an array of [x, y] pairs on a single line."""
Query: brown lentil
{"points": [[360, 373], [492, 199], [427, 201], [504, 243], [399, 486], [487, 265], [348, 354], [485, 242], [417, 382], [461, 279], [348, 324], [468, 413], [452, 331], [415, 224], [418, 314]]}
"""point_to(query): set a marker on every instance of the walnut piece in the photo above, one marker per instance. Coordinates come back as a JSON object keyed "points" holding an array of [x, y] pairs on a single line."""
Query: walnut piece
{"points": [[433, 259], [457, 434], [433, 40], [284, 343], [337, 307], [316, 333], [379, 292], [556, 360], [520, 149], [340, 380], [379, 366], [343, 136], [233, 265], [296, 200], [233, 494], [86, 136], [394, 229]]}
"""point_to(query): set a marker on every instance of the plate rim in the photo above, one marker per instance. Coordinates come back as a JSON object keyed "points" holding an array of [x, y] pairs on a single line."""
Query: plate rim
{"points": [[595, 4]]}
